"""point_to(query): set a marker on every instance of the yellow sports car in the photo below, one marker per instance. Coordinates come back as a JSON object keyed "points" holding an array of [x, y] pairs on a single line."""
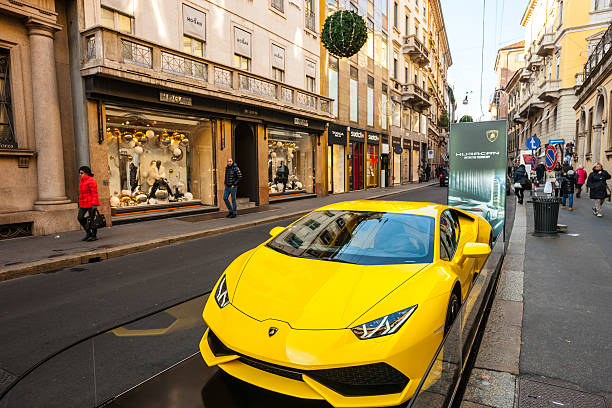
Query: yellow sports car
{"points": [[348, 304]]}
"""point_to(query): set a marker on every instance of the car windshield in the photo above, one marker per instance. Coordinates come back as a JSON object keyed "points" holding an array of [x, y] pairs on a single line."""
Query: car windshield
{"points": [[359, 237]]}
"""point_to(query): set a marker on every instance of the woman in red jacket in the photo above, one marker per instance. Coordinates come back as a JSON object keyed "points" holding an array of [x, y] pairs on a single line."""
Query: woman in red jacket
{"points": [[582, 176], [88, 202]]}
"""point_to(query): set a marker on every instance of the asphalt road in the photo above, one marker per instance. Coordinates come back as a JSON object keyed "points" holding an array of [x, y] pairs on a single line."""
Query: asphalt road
{"points": [[42, 314]]}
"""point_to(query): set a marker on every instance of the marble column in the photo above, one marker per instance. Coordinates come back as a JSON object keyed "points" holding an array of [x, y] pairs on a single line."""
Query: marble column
{"points": [[47, 129]]}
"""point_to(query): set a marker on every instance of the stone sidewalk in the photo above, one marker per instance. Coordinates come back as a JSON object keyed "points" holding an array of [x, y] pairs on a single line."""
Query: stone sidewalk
{"points": [[547, 339], [32, 255]]}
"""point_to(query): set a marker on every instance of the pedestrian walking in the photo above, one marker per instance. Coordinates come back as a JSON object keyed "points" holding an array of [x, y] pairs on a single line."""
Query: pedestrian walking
{"points": [[427, 172], [540, 171], [598, 187], [581, 176], [232, 178], [421, 174], [88, 203], [567, 189], [520, 182], [558, 178]]}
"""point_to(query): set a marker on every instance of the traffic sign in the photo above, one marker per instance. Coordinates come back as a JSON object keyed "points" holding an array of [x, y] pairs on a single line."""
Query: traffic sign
{"points": [[533, 143], [550, 157], [557, 141], [430, 154]]}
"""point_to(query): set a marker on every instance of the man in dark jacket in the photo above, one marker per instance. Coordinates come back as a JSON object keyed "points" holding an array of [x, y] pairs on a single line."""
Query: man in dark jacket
{"points": [[568, 185], [597, 183], [232, 178], [520, 178]]}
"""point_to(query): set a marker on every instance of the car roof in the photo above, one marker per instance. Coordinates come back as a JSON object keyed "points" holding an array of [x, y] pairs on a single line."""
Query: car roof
{"points": [[405, 207]]}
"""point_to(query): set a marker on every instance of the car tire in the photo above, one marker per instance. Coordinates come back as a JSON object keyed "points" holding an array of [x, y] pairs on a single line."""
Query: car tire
{"points": [[451, 312]]}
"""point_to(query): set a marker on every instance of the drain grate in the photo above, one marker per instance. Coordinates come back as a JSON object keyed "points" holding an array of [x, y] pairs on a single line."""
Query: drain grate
{"points": [[536, 394]]}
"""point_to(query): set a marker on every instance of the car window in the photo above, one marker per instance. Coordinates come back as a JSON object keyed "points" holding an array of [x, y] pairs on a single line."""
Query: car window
{"points": [[449, 235], [360, 237]]}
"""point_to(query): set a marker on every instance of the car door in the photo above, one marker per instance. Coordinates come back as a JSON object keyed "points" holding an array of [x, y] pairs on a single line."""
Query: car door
{"points": [[450, 234]]}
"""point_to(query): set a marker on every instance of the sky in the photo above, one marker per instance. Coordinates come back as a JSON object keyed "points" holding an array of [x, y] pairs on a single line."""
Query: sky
{"points": [[463, 19]]}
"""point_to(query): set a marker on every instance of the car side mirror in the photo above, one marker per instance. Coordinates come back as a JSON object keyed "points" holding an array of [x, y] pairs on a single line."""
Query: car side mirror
{"points": [[476, 250], [276, 230]]}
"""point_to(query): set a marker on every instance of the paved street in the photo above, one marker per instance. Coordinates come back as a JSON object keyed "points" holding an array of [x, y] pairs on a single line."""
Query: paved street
{"points": [[76, 302]]}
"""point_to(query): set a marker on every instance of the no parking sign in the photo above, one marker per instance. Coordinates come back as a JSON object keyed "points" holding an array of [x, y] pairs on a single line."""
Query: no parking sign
{"points": [[550, 156]]}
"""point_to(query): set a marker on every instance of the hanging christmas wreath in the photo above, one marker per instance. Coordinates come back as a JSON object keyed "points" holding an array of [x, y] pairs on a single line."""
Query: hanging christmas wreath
{"points": [[344, 33]]}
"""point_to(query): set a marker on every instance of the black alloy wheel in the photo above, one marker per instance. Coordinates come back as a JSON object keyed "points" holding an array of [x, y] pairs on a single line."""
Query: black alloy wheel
{"points": [[451, 312]]}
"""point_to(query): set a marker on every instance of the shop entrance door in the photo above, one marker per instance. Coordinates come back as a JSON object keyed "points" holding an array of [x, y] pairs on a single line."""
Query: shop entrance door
{"points": [[245, 155], [357, 167]]}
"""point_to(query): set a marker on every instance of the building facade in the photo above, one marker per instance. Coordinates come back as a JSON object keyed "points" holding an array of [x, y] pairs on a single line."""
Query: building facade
{"points": [[593, 107], [37, 157], [556, 34], [389, 96], [169, 103], [509, 60]]}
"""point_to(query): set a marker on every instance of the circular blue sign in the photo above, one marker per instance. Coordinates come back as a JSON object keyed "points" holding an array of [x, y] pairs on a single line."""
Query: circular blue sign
{"points": [[533, 143], [550, 157]]}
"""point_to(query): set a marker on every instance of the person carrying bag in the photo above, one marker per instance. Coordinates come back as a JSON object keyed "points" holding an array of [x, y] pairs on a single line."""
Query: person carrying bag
{"points": [[88, 204]]}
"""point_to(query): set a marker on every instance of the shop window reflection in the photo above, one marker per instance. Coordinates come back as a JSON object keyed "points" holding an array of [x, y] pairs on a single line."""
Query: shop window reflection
{"points": [[290, 162], [158, 160]]}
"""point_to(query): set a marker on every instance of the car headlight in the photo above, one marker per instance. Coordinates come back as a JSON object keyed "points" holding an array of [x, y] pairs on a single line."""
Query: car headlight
{"points": [[221, 295], [384, 325]]}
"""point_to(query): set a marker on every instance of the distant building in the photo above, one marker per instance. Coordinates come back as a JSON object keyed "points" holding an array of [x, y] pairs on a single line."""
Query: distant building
{"points": [[509, 60], [594, 106], [556, 38]]}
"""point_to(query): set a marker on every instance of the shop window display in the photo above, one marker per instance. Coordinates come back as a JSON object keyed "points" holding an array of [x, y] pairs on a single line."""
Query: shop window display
{"points": [[158, 159], [290, 162], [373, 164]]}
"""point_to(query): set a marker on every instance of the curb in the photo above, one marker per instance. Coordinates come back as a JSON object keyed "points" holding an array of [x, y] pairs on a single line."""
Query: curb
{"points": [[66, 261]]}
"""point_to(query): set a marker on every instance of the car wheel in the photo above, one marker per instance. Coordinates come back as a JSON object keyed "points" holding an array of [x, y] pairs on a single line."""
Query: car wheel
{"points": [[451, 312]]}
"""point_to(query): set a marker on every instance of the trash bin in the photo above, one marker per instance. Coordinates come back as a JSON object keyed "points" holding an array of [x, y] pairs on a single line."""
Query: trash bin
{"points": [[546, 214]]}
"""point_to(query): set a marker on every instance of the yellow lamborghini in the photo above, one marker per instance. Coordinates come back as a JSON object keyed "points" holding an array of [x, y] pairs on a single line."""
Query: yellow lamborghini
{"points": [[348, 304]]}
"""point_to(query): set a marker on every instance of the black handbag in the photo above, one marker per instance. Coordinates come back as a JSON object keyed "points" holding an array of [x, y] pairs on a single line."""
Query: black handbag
{"points": [[97, 220]]}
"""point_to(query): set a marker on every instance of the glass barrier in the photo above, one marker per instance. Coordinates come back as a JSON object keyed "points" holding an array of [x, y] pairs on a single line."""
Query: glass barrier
{"points": [[439, 386], [96, 370]]}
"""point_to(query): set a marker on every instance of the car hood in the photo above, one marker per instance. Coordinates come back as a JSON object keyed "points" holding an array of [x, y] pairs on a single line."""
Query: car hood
{"points": [[313, 294]]}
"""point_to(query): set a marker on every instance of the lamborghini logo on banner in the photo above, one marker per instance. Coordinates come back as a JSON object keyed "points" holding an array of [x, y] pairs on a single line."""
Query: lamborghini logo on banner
{"points": [[492, 135]]}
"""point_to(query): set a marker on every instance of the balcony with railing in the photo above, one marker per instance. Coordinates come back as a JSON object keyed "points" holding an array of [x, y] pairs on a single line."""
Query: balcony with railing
{"points": [[114, 54], [415, 96], [416, 50], [600, 55], [530, 106], [525, 75], [546, 45], [550, 90]]}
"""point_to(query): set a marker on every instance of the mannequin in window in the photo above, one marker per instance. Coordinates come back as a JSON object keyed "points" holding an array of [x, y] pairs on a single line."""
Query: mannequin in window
{"points": [[282, 175], [160, 179]]}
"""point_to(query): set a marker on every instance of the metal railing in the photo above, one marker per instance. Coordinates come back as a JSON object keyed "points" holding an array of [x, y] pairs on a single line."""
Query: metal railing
{"points": [[137, 54], [175, 64], [278, 5], [114, 51], [599, 53]]}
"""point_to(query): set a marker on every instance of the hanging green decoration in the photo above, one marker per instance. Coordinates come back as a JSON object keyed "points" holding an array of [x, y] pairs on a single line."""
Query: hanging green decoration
{"points": [[344, 33]]}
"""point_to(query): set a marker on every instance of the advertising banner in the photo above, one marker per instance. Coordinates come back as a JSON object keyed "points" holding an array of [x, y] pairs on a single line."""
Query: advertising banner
{"points": [[478, 161]]}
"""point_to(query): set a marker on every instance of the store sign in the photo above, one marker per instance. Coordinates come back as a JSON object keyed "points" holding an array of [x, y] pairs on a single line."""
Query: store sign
{"points": [[357, 135], [406, 143], [373, 138], [300, 122], [124, 6], [415, 146], [478, 161], [194, 22], [174, 98], [311, 68], [242, 42], [336, 134], [278, 57], [384, 138]]}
